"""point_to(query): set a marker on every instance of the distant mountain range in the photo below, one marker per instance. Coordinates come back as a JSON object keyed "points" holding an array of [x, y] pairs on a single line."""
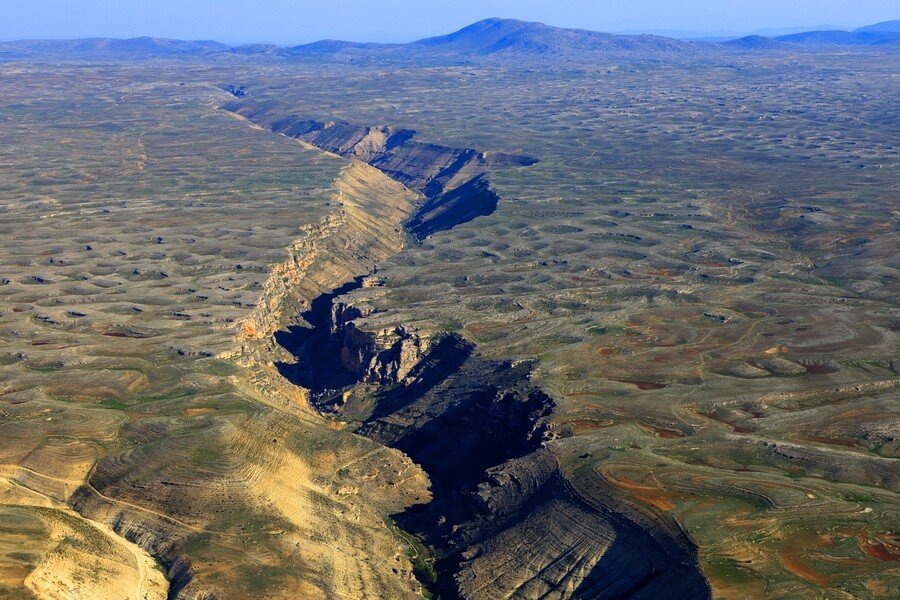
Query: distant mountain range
{"points": [[493, 36], [886, 33], [109, 48], [725, 34], [884, 26], [490, 37]]}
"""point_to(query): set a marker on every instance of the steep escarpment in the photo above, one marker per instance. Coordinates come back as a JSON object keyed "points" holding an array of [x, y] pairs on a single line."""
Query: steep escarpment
{"points": [[469, 201], [364, 229], [197, 493], [452, 179], [502, 518]]}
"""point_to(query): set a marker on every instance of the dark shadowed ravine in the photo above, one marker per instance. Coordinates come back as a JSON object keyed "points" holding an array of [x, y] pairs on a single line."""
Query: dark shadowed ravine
{"points": [[476, 426]]}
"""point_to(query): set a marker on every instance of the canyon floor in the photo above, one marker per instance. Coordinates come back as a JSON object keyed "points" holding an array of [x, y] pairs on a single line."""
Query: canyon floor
{"points": [[369, 328]]}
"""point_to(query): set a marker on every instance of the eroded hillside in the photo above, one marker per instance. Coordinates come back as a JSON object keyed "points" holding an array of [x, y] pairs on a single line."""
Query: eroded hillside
{"points": [[259, 340], [469, 422], [703, 264], [142, 282]]}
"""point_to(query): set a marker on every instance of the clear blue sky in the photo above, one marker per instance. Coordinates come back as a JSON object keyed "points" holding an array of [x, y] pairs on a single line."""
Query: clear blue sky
{"points": [[297, 21]]}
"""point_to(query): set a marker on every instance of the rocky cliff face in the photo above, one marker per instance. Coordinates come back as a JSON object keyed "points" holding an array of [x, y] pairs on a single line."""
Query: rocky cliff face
{"points": [[174, 515], [503, 519], [426, 167], [451, 179], [471, 200], [333, 353], [476, 427]]}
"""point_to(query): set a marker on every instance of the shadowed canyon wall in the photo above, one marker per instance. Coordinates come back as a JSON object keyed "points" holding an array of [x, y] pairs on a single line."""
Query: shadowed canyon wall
{"points": [[503, 518]]}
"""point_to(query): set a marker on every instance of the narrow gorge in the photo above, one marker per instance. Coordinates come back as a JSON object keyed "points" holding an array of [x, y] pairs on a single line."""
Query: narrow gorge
{"points": [[502, 518]]}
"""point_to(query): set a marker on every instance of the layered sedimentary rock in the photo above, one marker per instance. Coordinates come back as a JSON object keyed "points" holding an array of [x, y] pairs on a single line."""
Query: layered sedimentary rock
{"points": [[156, 496], [471, 200], [503, 519], [452, 179], [427, 167]]}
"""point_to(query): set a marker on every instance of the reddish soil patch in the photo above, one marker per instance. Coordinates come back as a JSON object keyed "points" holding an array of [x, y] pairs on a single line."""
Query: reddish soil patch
{"points": [[588, 424], [818, 369], [879, 550], [792, 563], [830, 441], [643, 385], [654, 496], [734, 426], [660, 431], [714, 417], [40, 343]]}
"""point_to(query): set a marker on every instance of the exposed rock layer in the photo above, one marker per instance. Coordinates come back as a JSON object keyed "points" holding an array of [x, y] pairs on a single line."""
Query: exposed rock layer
{"points": [[452, 179], [503, 519], [473, 424], [166, 507]]}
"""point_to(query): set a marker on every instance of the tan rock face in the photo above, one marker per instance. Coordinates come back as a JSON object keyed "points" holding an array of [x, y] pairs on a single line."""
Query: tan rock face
{"points": [[465, 419], [411, 352], [385, 357], [146, 434], [672, 232], [432, 169]]}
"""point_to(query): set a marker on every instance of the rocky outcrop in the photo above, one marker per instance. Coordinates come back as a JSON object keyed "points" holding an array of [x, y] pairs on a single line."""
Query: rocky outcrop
{"points": [[179, 503], [478, 432], [332, 353], [426, 167], [452, 180], [387, 357], [366, 229], [556, 545], [502, 519], [471, 200], [161, 537]]}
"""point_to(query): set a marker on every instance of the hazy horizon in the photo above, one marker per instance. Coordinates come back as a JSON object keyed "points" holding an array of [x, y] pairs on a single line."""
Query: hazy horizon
{"points": [[286, 22]]}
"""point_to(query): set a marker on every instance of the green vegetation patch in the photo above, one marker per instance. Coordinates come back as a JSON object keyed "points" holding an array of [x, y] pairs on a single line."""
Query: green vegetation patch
{"points": [[203, 456], [421, 558]]}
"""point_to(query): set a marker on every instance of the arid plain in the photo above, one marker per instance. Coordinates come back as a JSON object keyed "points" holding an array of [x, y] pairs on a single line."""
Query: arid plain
{"points": [[368, 326]]}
